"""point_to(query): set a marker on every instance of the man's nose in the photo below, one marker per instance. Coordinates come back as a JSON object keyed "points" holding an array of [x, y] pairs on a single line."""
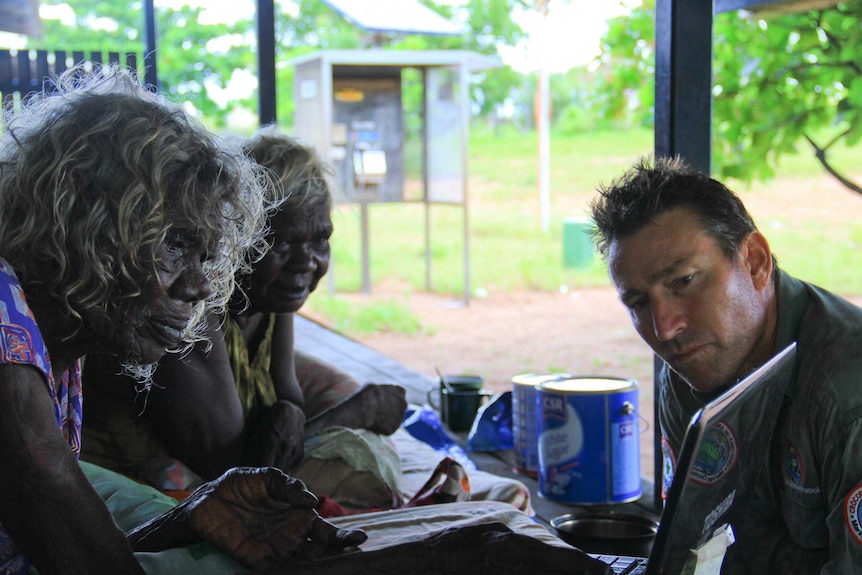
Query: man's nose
{"points": [[668, 319]]}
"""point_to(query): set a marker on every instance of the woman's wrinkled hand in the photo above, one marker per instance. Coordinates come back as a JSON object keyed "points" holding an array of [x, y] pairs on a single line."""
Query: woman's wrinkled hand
{"points": [[260, 517]]}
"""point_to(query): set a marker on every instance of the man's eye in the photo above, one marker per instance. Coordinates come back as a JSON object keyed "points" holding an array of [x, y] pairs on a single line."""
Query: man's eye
{"points": [[320, 243], [684, 280], [636, 303]]}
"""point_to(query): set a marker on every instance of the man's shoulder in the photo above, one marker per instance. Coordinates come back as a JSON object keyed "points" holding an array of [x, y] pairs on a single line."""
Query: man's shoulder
{"points": [[830, 351], [826, 313]]}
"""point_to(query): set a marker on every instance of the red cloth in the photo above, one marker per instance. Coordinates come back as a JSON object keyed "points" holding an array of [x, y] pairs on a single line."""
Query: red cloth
{"points": [[448, 483]]}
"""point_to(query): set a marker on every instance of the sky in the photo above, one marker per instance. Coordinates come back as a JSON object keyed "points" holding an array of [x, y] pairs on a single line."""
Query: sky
{"points": [[569, 36]]}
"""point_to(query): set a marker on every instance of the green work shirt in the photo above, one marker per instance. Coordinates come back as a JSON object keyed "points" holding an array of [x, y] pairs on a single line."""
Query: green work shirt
{"points": [[806, 511]]}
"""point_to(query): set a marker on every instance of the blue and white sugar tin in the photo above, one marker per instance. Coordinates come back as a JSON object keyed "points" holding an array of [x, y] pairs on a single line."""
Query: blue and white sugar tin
{"points": [[589, 451], [525, 419]]}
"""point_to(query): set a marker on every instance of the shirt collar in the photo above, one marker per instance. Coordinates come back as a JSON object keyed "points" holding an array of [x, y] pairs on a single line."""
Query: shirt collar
{"points": [[792, 300]]}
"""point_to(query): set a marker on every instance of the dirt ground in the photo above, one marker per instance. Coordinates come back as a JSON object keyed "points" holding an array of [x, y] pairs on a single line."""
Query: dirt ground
{"points": [[582, 332]]}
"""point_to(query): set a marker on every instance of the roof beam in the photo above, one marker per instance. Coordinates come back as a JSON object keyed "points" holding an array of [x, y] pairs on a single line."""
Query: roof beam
{"points": [[773, 6]]}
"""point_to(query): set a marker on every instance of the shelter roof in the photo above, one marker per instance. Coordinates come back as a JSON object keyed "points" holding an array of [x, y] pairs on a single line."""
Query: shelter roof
{"points": [[473, 61]]}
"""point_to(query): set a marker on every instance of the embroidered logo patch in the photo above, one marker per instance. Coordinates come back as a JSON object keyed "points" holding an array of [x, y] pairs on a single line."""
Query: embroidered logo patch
{"points": [[668, 466], [852, 503], [717, 456], [794, 472]]}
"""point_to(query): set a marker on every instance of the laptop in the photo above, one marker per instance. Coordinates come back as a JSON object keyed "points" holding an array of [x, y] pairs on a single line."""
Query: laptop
{"points": [[721, 457]]}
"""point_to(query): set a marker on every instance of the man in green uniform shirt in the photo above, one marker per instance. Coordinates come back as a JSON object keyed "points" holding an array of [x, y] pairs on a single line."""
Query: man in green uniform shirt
{"points": [[704, 291]]}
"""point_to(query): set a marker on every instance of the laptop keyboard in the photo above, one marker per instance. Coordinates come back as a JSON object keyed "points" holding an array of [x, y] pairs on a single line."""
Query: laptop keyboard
{"points": [[623, 565]]}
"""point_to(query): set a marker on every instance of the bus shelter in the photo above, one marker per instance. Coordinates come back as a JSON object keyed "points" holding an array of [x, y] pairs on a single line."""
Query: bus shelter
{"points": [[349, 106]]}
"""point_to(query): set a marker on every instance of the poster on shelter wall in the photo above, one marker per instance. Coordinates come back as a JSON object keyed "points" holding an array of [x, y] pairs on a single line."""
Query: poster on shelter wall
{"points": [[367, 129], [445, 130]]}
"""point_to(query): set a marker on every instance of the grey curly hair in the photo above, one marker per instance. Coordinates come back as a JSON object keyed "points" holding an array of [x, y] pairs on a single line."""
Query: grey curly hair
{"points": [[293, 165], [96, 174]]}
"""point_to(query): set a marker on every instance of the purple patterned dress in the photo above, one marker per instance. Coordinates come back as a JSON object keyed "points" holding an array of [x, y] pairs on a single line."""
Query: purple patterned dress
{"points": [[21, 343]]}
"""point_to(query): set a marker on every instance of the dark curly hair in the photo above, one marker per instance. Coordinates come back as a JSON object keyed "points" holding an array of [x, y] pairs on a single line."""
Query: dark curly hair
{"points": [[93, 177], [652, 187]]}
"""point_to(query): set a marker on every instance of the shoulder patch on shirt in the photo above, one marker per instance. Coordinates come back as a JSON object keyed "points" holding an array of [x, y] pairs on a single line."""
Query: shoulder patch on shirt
{"points": [[668, 466], [717, 455], [852, 516]]}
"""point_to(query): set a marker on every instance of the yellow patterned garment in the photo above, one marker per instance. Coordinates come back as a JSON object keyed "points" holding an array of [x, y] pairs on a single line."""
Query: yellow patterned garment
{"points": [[323, 385], [357, 468], [253, 381]]}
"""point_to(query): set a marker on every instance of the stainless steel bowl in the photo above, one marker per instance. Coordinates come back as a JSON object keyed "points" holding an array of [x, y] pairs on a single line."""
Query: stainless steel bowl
{"points": [[610, 532]]}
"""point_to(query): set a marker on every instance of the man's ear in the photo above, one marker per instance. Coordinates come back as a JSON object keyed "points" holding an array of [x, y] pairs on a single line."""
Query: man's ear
{"points": [[758, 258]]}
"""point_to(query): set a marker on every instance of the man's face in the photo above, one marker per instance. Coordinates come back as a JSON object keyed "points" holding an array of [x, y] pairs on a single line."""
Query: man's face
{"points": [[143, 328], [703, 314], [291, 270]]}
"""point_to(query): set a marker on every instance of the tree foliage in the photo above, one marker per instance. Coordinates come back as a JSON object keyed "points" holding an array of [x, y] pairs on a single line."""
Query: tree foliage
{"points": [[625, 89], [782, 78], [778, 80], [198, 61], [194, 59]]}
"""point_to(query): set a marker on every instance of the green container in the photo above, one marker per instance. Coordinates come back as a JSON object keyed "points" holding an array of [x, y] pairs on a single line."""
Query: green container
{"points": [[578, 249]]}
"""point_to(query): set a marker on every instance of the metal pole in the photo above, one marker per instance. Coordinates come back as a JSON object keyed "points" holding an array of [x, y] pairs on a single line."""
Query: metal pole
{"points": [[425, 179], [465, 151], [543, 126], [366, 273]]}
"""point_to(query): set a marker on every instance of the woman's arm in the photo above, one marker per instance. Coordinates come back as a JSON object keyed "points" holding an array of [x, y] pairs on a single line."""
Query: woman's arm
{"points": [[48, 507], [193, 404], [195, 407], [282, 366]]}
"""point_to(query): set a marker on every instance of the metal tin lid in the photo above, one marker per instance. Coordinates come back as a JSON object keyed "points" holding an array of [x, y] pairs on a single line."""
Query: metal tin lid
{"points": [[589, 384], [533, 379]]}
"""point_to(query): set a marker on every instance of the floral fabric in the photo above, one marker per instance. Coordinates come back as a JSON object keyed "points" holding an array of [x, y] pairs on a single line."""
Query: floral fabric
{"points": [[21, 343]]}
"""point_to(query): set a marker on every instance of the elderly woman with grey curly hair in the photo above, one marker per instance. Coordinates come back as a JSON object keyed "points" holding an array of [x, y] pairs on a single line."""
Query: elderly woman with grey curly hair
{"points": [[122, 226], [264, 397]]}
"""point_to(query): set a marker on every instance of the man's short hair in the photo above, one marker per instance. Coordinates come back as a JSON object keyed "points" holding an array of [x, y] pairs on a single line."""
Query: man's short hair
{"points": [[651, 188]]}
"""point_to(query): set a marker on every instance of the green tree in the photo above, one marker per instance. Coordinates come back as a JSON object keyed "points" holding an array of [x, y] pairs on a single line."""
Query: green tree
{"points": [[203, 59], [197, 61], [573, 102], [783, 79], [95, 25], [625, 88], [779, 80], [193, 59]]}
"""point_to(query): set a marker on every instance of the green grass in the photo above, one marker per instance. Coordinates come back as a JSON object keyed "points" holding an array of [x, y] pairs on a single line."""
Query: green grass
{"points": [[389, 315], [508, 250]]}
